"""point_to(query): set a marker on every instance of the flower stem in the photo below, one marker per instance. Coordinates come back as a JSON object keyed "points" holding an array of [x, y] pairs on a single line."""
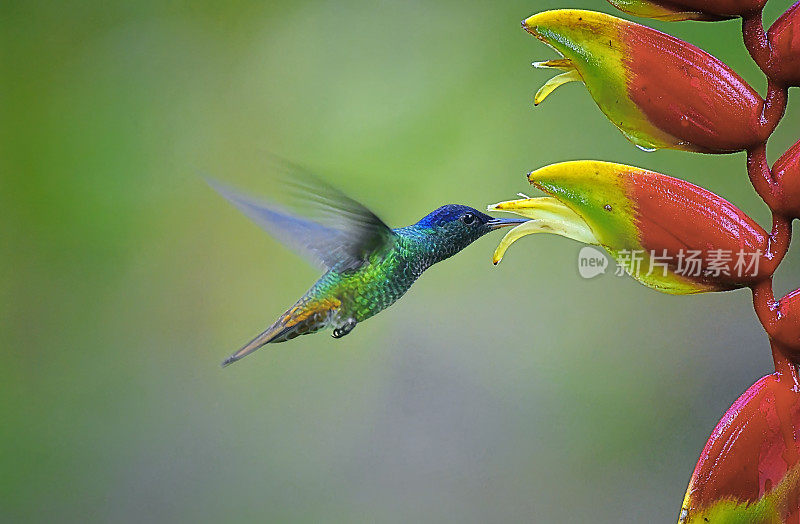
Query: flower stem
{"points": [[760, 174], [784, 366], [755, 40], [774, 104]]}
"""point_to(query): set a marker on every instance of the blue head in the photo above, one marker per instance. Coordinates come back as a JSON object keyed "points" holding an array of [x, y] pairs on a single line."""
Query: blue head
{"points": [[451, 228]]}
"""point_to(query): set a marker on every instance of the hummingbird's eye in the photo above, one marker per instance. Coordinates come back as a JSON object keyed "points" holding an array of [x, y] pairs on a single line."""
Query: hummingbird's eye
{"points": [[468, 218]]}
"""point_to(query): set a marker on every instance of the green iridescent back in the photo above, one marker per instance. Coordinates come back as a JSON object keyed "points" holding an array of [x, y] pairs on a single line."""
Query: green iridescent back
{"points": [[378, 284]]}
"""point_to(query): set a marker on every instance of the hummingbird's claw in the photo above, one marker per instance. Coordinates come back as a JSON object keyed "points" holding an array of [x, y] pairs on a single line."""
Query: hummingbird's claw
{"points": [[344, 329]]}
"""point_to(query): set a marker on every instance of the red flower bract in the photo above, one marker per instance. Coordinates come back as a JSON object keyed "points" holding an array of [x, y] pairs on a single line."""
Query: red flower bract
{"points": [[784, 39], [676, 216], [786, 172], [661, 92], [689, 9], [786, 324], [690, 94], [748, 470]]}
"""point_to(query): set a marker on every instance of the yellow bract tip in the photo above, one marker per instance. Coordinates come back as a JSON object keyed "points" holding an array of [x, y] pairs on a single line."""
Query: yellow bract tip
{"points": [[547, 215], [553, 83]]}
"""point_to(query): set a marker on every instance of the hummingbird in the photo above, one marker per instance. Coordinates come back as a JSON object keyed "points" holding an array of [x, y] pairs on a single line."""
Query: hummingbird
{"points": [[368, 266]]}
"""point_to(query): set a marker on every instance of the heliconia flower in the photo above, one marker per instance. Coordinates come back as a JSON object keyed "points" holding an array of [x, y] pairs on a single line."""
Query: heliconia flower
{"points": [[668, 234], [786, 172], [784, 40], [675, 10], [661, 92], [749, 470]]}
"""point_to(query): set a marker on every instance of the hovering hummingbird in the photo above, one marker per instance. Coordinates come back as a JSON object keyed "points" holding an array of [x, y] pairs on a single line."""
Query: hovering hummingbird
{"points": [[368, 266]]}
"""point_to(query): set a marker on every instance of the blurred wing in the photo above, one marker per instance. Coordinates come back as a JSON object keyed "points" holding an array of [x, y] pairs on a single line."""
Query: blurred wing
{"points": [[338, 231]]}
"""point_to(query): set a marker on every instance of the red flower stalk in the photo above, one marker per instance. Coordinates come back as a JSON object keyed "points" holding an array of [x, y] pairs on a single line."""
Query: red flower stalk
{"points": [[662, 92]]}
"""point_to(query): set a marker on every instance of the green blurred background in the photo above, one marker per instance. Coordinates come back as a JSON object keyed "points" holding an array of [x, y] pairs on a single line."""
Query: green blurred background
{"points": [[515, 393]]}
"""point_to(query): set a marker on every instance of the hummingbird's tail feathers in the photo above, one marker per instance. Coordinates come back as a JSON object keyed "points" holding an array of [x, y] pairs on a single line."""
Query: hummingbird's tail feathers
{"points": [[271, 334], [307, 316]]}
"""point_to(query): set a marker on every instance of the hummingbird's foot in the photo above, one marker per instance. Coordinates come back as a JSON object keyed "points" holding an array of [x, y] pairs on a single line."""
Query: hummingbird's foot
{"points": [[344, 329]]}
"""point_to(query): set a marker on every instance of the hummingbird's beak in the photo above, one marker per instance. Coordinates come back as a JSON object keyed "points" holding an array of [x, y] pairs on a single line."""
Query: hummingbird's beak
{"points": [[497, 223]]}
